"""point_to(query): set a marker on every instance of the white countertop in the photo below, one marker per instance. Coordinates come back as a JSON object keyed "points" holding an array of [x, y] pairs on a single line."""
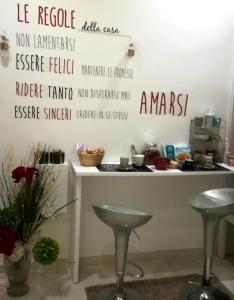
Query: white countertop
{"points": [[93, 171]]}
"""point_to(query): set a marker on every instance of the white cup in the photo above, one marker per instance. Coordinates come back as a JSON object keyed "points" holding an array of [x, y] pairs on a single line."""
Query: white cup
{"points": [[138, 160], [123, 162]]}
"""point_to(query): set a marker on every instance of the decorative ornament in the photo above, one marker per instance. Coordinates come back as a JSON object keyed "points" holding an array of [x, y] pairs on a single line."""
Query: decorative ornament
{"points": [[4, 42], [131, 50], [45, 251]]}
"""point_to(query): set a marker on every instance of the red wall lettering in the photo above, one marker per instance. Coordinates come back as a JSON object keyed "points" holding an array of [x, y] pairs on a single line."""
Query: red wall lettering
{"points": [[23, 18]]}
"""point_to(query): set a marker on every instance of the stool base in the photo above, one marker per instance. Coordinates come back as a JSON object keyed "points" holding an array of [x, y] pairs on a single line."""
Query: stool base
{"points": [[195, 291], [110, 294]]}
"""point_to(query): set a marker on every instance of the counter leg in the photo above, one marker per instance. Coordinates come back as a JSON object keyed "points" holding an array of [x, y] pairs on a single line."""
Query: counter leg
{"points": [[222, 234], [221, 241], [75, 226]]}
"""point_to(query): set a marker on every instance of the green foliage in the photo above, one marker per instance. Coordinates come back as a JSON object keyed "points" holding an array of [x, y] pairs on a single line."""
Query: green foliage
{"points": [[9, 217], [31, 199], [45, 251]]}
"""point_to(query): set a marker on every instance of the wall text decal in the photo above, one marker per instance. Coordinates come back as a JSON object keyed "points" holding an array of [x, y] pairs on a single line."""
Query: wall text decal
{"points": [[48, 16], [33, 62], [161, 103], [55, 65], [39, 41], [94, 27]]}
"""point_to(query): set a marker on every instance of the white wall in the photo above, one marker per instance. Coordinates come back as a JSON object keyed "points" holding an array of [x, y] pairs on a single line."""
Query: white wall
{"points": [[181, 47]]}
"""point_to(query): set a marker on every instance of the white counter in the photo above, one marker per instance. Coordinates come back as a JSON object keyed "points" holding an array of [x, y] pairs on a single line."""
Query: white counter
{"points": [[93, 171], [78, 172]]}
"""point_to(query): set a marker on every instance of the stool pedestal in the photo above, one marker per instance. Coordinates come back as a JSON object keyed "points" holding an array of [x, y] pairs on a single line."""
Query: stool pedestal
{"points": [[121, 249], [210, 229], [122, 221], [213, 205]]}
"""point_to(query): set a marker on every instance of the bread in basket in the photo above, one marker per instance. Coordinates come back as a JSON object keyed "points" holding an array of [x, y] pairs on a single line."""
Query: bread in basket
{"points": [[91, 157]]}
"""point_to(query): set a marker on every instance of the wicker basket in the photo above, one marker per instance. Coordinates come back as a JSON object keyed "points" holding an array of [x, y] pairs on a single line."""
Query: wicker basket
{"points": [[89, 160]]}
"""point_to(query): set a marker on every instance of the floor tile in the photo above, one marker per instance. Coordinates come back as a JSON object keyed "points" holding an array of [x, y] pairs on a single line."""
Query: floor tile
{"points": [[54, 282], [43, 282]]}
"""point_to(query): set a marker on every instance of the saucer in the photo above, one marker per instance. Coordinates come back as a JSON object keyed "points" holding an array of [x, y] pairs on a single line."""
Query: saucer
{"points": [[127, 169], [211, 167], [136, 166]]}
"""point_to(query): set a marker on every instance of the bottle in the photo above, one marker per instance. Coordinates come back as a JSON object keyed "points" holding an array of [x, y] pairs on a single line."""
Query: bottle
{"points": [[209, 118], [226, 150]]}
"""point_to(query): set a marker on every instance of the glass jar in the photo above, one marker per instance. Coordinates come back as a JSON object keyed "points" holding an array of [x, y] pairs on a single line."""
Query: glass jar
{"points": [[151, 151], [17, 273], [230, 160]]}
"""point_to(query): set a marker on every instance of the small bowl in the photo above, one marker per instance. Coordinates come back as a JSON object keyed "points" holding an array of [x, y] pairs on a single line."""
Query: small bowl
{"points": [[161, 163], [173, 164], [188, 164]]}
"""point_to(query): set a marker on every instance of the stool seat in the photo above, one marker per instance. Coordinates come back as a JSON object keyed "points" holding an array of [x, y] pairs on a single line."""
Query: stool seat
{"points": [[219, 202], [115, 216]]}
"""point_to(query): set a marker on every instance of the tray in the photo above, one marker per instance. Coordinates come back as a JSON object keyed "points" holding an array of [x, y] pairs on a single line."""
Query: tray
{"points": [[117, 168], [200, 168]]}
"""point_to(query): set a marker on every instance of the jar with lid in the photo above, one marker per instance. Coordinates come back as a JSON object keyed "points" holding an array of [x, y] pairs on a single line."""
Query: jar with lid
{"points": [[197, 156], [230, 160], [214, 153], [210, 152], [150, 151]]}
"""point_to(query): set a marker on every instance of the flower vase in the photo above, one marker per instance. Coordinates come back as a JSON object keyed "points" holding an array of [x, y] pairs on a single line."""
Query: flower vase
{"points": [[17, 273]]}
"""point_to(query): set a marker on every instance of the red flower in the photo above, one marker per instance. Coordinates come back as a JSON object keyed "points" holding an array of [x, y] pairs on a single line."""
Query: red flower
{"points": [[18, 173], [29, 172], [22, 172], [7, 240]]}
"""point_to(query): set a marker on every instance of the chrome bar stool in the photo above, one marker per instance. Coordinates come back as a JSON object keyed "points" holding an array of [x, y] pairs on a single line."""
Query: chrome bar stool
{"points": [[122, 220], [213, 205]]}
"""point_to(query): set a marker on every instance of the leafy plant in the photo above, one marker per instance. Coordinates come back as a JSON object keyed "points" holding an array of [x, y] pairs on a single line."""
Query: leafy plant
{"points": [[9, 217]]}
